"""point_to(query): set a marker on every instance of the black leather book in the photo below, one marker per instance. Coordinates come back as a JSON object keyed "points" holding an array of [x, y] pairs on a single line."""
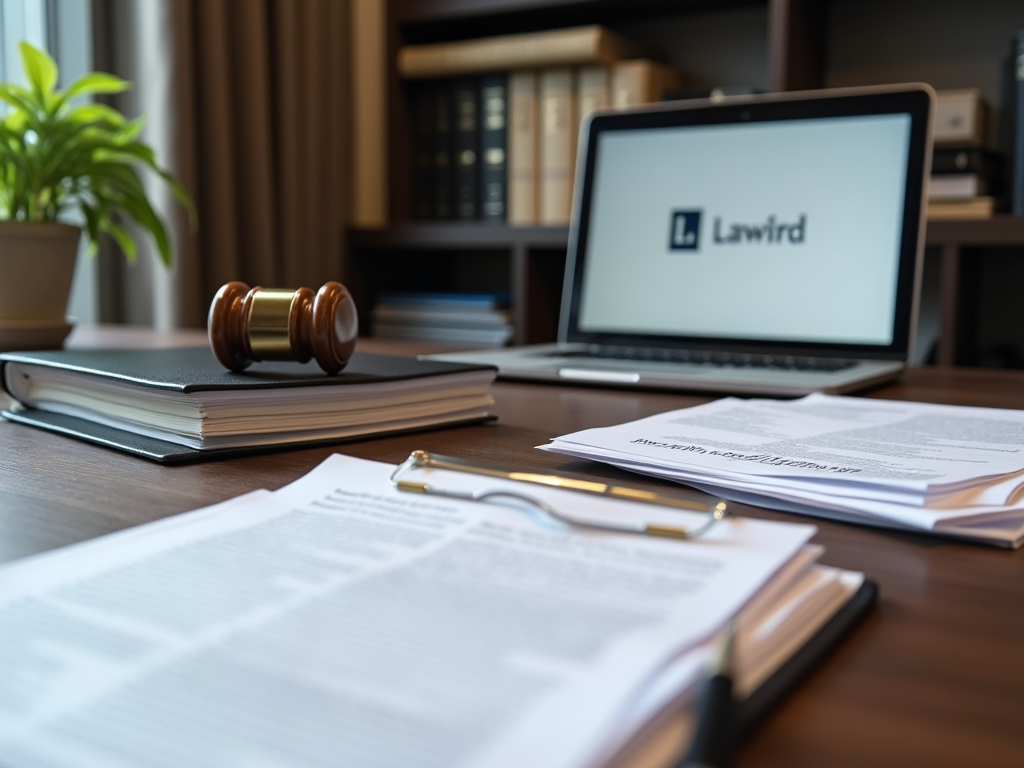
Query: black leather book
{"points": [[1017, 175], [465, 148], [947, 162], [180, 405], [493, 147], [442, 118], [423, 151]]}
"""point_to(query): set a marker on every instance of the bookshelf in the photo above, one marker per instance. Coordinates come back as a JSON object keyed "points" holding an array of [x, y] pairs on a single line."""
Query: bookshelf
{"points": [[770, 44]]}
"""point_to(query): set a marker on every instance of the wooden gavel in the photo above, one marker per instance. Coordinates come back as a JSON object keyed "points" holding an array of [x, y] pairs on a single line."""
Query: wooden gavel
{"points": [[251, 325]]}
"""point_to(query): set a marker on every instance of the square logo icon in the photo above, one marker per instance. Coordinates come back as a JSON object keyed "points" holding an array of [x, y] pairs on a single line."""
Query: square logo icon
{"points": [[685, 232]]}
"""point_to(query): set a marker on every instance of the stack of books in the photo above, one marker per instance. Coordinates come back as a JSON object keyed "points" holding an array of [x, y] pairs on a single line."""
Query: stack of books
{"points": [[478, 320], [496, 119], [966, 180]]}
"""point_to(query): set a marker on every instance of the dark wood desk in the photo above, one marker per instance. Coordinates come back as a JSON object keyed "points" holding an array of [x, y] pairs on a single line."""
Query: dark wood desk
{"points": [[935, 677]]}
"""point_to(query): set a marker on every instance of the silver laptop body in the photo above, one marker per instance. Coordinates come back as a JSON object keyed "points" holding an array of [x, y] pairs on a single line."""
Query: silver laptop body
{"points": [[764, 245]]}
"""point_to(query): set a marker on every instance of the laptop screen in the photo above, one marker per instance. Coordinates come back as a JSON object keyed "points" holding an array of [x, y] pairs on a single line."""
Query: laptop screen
{"points": [[772, 231]]}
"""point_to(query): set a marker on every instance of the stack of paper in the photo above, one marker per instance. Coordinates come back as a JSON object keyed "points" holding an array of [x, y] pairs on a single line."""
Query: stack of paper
{"points": [[948, 470], [339, 621]]}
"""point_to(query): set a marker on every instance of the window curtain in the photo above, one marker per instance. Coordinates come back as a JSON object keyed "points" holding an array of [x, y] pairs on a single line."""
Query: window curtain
{"points": [[247, 102]]}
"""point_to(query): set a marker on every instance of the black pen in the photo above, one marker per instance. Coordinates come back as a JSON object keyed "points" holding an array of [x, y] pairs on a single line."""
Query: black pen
{"points": [[715, 735]]}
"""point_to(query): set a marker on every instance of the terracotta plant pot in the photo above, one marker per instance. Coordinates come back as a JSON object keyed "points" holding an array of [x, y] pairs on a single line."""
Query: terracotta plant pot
{"points": [[37, 263]]}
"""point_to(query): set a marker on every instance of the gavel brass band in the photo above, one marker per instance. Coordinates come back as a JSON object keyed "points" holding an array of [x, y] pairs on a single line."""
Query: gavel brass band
{"points": [[250, 325]]}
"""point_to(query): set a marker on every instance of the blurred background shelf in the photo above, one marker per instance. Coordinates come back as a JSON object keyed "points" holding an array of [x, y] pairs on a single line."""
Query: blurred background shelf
{"points": [[971, 312]]}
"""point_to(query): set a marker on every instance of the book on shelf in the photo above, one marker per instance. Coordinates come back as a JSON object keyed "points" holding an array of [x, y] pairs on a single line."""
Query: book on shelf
{"points": [[946, 160], [523, 148], [959, 186], [179, 405], [967, 179], [465, 148], [960, 118], [1015, 109], [550, 48], [442, 141], [342, 621], [975, 208], [593, 90], [558, 132], [493, 147], [641, 81], [423, 110]]}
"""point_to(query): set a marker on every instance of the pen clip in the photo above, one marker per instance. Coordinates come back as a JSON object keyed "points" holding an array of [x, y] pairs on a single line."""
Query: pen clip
{"points": [[714, 510]]}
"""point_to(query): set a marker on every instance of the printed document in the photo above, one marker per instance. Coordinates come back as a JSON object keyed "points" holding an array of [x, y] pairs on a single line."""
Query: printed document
{"points": [[907, 464], [338, 621]]}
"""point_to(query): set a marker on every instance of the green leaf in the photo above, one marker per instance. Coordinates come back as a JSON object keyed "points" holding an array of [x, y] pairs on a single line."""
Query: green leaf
{"points": [[40, 69], [18, 98], [92, 227], [122, 237], [96, 82], [97, 113]]}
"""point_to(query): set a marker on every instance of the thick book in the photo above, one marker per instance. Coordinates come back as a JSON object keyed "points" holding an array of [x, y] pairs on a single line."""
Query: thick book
{"points": [[550, 48], [947, 161], [493, 147], [523, 146], [1017, 179], [557, 145], [593, 90], [961, 118], [180, 405], [642, 81], [959, 186], [369, 114], [442, 143], [976, 208], [465, 148], [423, 120]]}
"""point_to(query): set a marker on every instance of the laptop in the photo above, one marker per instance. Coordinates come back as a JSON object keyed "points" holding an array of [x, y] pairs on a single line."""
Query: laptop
{"points": [[761, 245]]}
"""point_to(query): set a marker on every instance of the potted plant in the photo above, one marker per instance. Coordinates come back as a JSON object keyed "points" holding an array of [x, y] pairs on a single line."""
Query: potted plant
{"points": [[56, 157]]}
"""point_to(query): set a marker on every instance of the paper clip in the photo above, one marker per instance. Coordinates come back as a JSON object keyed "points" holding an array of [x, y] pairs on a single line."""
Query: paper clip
{"points": [[714, 509]]}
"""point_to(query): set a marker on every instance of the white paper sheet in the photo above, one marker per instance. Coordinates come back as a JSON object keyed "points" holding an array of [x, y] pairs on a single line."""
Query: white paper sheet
{"points": [[935, 515], [915, 447], [951, 470], [338, 621]]}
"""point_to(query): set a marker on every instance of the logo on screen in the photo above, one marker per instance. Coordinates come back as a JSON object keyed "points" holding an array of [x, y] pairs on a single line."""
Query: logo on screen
{"points": [[685, 232]]}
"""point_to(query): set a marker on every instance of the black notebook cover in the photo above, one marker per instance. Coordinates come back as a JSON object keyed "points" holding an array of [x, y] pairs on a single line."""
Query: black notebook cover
{"points": [[194, 369]]}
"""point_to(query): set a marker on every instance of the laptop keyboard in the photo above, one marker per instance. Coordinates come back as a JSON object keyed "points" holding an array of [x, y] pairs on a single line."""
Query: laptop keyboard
{"points": [[711, 359]]}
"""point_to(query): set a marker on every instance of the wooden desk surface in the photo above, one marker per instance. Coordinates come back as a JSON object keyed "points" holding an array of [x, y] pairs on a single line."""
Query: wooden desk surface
{"points": [[935, 677]]}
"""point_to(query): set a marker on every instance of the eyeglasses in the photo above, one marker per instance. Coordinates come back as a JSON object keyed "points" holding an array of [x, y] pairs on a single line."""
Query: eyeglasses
{"points": [[714, 509]]}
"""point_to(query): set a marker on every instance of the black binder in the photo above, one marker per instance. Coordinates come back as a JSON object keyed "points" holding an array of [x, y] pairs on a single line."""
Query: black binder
{"points": [[194, 370]]}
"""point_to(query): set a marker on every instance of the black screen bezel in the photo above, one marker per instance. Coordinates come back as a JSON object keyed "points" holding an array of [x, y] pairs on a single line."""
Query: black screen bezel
{"points": [[915, 101]]}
